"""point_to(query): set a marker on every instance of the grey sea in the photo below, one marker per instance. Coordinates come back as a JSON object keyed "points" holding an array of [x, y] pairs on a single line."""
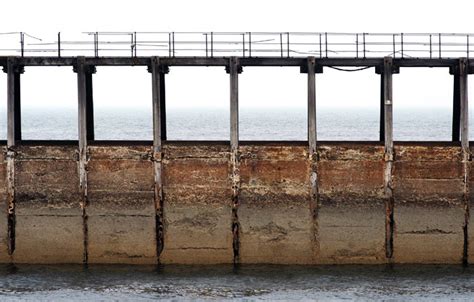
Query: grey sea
{"points": [[427, 124], [246, 282]]}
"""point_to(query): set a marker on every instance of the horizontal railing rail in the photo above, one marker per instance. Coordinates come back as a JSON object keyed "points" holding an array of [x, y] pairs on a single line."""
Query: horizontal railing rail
{"points": [[244, 44]]}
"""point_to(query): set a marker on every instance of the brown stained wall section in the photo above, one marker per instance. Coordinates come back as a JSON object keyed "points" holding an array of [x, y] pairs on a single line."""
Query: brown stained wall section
{"points": [[121, 212], [48, 216], [429, 211], [470, 229], [3, 208], [197, 203], [352, 212], [274, 216]]}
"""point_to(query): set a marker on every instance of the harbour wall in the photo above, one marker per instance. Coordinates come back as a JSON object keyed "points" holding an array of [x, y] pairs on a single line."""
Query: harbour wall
{"points": [[353, 221]]}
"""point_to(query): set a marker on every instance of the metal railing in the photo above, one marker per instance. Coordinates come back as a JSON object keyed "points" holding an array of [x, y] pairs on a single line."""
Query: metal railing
{"points": [[243, 44]]}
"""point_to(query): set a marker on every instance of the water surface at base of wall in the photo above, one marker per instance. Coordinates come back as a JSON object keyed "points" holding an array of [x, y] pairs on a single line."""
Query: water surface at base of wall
{"points": [[243, 283]]}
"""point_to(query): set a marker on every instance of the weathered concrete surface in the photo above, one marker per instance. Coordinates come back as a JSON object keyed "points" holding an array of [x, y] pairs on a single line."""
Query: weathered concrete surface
{"points": [[197, 203], [48, 214], [351, 215], [3, 208], [121, 211], [429, 212], [274, 215], [470, 229]]}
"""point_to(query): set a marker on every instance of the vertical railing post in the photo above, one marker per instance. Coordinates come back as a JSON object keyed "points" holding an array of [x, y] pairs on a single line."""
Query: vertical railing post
{"points": [[313, 152], [14, 72], [363, 41], [250, 44], [234, 69], [22, 44], [281, 45], [59, 44], [357, 46], [85, 134], [389, 153], [401, 45], [431, 47], [158, 72]]}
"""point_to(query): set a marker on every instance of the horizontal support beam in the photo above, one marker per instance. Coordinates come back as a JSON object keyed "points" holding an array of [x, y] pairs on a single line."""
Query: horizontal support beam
{"points": [[244, 61]]}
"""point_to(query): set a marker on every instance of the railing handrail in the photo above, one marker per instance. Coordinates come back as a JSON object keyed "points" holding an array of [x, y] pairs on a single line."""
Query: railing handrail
{"points": [[246, 44]]}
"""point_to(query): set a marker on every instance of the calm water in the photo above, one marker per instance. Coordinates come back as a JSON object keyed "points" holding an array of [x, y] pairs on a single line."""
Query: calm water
{"points": [[247, 283], [255, 124]]}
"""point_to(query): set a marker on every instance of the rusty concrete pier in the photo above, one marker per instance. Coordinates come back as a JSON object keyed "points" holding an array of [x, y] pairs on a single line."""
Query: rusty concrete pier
{"points": [[195, 202]]}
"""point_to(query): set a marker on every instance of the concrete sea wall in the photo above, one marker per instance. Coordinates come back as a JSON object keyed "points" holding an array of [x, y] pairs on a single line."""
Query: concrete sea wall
{"points": [[427, 221]]}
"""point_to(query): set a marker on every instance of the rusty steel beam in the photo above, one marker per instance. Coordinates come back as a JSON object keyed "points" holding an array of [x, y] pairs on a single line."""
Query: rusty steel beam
{"points": [[84, 93], [234, 68], [389, 155], [158, 72], [14, 71], [313, 151]]}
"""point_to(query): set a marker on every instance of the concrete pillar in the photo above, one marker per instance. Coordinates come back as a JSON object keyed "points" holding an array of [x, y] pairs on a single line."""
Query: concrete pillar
{"points": [[85, 133], [382, 109], [14, 72], [159, 134], [313, 152], [388, 142], [461, 77], [463, 105], [456, 126], [234, 69]]}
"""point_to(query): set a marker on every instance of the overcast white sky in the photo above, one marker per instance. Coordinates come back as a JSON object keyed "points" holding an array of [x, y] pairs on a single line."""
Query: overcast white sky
{"points": [[258, 87]]}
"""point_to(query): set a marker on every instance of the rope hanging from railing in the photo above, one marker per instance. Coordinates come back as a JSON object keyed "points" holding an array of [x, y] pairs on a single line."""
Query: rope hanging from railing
{"points": [[349, 70]]}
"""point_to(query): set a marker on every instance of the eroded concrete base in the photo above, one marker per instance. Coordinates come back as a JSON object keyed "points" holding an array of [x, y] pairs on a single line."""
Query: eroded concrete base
{"points": [[197, 206], [429, 211]]}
